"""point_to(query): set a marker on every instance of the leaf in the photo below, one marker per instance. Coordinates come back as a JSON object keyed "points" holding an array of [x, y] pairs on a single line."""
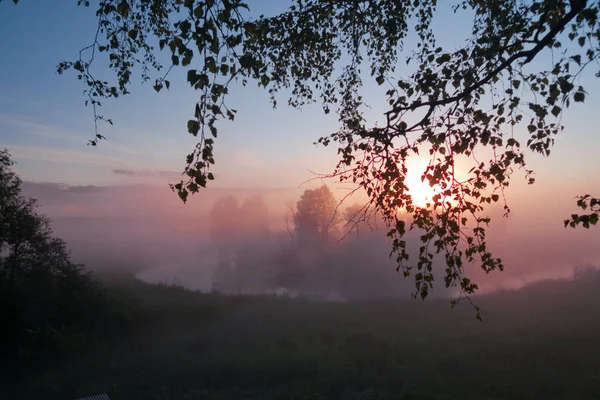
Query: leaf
{"points": [[579, 97], [193, 187], [264, 80], [246, 61], [123, 8], [193, 127], [225, 69], [199, 11], [183, 195], [213, 130], [185, 27], [443, 58], [193, 77], [201, 180]]}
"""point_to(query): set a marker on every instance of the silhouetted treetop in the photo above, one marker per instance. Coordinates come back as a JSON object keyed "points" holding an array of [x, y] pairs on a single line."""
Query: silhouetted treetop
{"points": [[42, 292], [314, 217]]}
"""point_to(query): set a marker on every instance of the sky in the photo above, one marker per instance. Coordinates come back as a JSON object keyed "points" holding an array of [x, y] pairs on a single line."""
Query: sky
{"points": [[45, 125], [43, 119]]}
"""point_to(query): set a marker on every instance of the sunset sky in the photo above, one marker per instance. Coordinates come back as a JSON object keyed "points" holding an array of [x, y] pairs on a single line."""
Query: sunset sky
{"points": [[44, 124]]}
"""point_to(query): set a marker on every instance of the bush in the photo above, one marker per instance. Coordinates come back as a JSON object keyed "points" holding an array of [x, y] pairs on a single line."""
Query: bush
{"points": [[50, 306]]}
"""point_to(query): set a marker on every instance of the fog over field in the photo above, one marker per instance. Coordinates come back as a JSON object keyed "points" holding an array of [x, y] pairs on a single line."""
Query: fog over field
{"points": [[147, 230]]}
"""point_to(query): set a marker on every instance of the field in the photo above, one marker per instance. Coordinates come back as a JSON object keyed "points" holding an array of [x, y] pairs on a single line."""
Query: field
{"points": [[537, 343]]}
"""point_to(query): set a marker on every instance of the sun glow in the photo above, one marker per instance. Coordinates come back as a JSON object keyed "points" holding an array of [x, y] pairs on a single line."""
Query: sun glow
{"points": [[420, 191]]}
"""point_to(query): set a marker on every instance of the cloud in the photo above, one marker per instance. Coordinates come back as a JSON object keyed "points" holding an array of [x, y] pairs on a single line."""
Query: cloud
{"points": [[52, 132], [147, 173], [55, 196], [64, 155], [88, 189], [51, 188], [125, 172]]}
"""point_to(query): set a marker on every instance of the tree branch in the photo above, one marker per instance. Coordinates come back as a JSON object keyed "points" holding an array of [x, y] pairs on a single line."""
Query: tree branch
{"points": [[529, 55]]}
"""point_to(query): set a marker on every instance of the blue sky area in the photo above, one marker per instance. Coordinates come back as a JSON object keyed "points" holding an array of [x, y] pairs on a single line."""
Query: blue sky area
{"points": [[45, 125]]}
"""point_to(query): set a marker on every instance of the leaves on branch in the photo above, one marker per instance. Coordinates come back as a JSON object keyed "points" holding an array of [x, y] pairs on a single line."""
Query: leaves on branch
{"points": [[590, 204], [452, 103]]}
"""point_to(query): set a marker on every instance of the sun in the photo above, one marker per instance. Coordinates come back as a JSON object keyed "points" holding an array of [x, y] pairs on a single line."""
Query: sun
{"points": [[420, 191]]}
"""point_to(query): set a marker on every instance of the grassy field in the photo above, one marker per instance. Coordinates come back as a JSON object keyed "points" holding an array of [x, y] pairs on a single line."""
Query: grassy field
{"points": [[538, 343]]}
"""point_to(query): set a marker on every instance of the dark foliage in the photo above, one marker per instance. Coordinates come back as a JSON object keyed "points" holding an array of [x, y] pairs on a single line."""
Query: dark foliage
{"points": [[50, 306], [537, 343]]}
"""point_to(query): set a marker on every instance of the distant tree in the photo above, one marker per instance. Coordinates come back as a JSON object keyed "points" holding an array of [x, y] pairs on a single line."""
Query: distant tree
{"points": [[288, 270], [353, 218], [580, 271], [224, 235], [224, 221], [516, 71], [252, 251], [42, 292], [239, 232], [315, 217], [298, 264], [254, 217]]}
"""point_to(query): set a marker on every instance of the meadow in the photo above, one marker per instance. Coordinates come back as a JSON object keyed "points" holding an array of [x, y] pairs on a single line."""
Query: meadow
{"points": [[540, 342]]}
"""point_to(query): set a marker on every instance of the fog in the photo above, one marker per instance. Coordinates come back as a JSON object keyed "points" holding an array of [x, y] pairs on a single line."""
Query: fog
{"points": [[244, 241]]}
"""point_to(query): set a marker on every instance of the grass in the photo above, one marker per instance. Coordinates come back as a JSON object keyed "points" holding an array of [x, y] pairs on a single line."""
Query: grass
{"points": [[537, 343]]}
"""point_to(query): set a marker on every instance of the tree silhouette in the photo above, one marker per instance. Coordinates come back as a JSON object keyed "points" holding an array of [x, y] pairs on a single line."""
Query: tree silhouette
{"points": [[225, 235], [314, 217], [240, 235], [224, 221], [42, 292], [254, 217]]}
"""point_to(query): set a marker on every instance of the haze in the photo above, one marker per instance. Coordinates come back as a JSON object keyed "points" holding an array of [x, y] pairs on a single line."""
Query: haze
{"points": [[146, 229]]}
